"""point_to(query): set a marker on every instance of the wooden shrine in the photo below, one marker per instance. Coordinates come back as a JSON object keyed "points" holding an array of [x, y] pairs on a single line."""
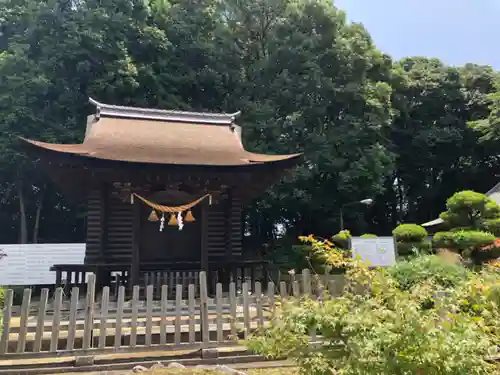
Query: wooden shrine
{"points": [[165, 191]]}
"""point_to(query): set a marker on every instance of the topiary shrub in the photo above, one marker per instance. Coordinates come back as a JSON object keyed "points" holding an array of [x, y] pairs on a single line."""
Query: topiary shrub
{"points": [[342, 239], [467, 241], [409, 233], [487, 253], [477, 245], [469, 209], [493, 226], [415, 248], [368, 235], [443, 240], [411, 238], [474, 222]]}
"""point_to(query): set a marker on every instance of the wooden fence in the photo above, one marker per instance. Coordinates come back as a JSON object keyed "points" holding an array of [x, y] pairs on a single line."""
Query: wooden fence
{"points": [[103, 323]]}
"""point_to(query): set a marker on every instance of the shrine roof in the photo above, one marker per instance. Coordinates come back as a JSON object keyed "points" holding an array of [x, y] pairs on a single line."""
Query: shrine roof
{"points": [[144, 135]]}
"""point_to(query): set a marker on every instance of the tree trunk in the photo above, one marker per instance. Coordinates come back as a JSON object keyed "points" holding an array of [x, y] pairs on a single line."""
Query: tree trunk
{"points": [[23, 225], [39, 206]]}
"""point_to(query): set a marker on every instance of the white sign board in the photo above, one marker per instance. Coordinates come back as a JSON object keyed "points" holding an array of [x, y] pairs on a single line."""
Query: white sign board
{"points": [[378, 252], [30, 264]]}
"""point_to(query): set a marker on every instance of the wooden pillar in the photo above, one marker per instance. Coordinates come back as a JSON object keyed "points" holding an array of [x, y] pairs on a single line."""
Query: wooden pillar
{"points": [[136, 258], [103, 278], [103, 218], [228, 214], [229, 224], [204, 236]]}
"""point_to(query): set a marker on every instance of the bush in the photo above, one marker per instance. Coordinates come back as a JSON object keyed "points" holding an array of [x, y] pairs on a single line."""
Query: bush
{"points": [[342, 239], [409, 233], [486, 253], [443, 240], [429, 268], [493, 226], [480, 299], [469, 243], [469, 209], [415, 248], [469, 240], [384, 330], [368, 235]]}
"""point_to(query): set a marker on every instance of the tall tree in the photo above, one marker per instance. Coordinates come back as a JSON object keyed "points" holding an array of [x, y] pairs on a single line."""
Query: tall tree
{"points": [[436, 152], [317, 84]]}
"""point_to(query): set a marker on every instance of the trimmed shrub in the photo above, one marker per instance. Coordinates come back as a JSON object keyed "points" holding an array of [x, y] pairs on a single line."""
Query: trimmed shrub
{"points": [[443, 240], [469, 209], [486, 253], [342, 239], [368, 235], [469, 240], [409, 233], [411, 238], [493, 226], [408, 248], [466, 242]]}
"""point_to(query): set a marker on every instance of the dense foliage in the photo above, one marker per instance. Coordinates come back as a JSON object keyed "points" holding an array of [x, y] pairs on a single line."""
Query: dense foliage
{"points": [[305, 79], [431, 268], [388, 326]]}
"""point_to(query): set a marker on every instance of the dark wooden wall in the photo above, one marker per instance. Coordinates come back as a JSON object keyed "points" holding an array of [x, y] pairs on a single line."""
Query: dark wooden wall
{"points": [[217, 219], [110, 240]]}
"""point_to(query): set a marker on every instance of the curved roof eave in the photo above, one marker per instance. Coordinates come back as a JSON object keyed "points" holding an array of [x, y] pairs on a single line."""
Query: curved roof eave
{"points": [[246, 159]]}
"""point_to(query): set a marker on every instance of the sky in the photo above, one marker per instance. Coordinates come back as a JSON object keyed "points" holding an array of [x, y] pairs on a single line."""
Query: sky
{"points": [[455, 31]]}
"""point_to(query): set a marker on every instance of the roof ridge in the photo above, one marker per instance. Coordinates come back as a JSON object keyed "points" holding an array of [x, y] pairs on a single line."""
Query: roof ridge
{"points": [[163, 114], [494, 189]]}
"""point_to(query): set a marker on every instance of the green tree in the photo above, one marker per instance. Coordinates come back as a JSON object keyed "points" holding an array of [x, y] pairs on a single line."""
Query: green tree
{"points": [[436, 153], [314, 84], [489, 126]]}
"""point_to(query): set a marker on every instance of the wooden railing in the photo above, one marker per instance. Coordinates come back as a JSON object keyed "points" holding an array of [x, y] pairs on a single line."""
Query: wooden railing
{"points": [[115, 275], [97, 322]]}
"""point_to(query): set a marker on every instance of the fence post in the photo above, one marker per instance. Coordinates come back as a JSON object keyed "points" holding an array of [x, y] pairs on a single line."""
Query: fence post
{"points": [[306, 280], [23, 325], [40, 325], [56, 320], [89, 313], [7, 313], [204, 309]]}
